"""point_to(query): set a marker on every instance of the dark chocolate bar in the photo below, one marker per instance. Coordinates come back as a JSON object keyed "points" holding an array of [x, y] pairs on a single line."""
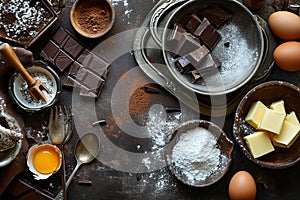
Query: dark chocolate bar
{"points": [[87, 71], [215, 15]]}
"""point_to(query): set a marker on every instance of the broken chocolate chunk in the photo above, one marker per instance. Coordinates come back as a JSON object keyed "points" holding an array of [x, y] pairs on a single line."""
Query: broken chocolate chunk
{"points": [[199, 30], [210, 37], [215, 15], [193, 23], [182, 64], [175, 36], [187, 44], [196, 56]]}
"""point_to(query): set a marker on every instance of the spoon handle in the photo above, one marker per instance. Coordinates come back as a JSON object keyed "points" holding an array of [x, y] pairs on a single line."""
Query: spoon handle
{"points": [[60, 195]]}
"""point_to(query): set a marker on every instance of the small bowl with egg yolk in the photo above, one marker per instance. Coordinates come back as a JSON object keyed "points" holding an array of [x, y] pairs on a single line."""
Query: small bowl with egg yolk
{"points": [[44, 160]]}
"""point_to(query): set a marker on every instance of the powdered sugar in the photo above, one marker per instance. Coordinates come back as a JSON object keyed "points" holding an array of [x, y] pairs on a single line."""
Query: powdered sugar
{"points": [[161, 127], [196, 154]]}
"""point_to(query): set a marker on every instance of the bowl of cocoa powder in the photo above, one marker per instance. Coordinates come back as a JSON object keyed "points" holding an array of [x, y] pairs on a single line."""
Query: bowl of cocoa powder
{"points": [[92, 18]]}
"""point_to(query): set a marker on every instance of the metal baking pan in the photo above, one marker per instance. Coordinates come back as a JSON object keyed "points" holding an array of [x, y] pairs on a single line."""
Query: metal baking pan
{"points": [[22, 22]]}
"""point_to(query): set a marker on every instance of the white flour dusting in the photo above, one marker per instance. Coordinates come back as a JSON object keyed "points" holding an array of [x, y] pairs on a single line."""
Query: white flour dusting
{"points": [[196, 154], [160, 128]]}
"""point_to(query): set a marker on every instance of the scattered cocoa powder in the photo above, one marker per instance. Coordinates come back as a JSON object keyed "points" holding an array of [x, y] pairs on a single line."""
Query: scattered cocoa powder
{"points": [[93, 18]]}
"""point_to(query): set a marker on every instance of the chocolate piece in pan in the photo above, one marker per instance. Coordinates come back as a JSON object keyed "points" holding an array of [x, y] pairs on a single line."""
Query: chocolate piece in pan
{"points": [[175, 36], [215, 15], [183, 65], [188, 43], [197, 56], [193, 23], [199, 30], [210, 37]]}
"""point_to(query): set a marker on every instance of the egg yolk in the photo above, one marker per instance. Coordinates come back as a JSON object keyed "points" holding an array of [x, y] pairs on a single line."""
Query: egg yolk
{"points": [[46, 160]]}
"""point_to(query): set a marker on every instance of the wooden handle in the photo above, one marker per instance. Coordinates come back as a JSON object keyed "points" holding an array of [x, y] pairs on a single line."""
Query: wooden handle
{"points": [[9, 54]]}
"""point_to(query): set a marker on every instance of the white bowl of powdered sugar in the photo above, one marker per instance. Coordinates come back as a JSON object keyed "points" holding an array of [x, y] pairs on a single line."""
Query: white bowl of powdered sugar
{"points": [[199, 153]]}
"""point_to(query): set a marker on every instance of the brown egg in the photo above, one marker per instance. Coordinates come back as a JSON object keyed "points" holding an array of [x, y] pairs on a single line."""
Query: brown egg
{"points": [[285, 25], [242, 186], [287, 56]]}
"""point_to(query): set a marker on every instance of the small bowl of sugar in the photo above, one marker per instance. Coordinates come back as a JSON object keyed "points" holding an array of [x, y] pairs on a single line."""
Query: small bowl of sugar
{"points": [[199, 153], [18, 88]]}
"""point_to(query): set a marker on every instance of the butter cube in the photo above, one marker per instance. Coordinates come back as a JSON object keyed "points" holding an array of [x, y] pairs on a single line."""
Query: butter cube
{"points": [[259, 143], [291, 117], [288, 134], [278, 106], [255, 114], [272, 121]]}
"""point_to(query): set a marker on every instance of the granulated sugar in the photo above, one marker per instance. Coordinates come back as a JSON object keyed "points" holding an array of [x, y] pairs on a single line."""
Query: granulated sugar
{"points": [[196, 154], [238, 57], [46, 80]]}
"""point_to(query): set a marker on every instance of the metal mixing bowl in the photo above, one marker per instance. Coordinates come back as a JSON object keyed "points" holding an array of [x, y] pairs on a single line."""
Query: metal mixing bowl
{"points": [[239, 61]]}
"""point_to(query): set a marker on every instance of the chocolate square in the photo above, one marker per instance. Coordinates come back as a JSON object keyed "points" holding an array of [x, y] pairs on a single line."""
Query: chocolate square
{"points": [[71, 82], [74, 69], [72, 47], [98, 66], [187, 44], [193, 23], [210, 37], [194, 76], [85, 57], [82, 72], [207, 66], [60, 36], [182, 65], [215, 15], [49, 52], [199, 30], [196, 56], [62, 60], [92, 81], [174, 37]]}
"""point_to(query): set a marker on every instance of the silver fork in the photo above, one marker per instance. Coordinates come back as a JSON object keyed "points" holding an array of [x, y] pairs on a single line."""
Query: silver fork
{"points": [[60, 129]]}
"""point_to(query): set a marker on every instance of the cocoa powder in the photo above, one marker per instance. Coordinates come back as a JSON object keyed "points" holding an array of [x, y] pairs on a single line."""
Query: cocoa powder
{"points": [[93, 18]]}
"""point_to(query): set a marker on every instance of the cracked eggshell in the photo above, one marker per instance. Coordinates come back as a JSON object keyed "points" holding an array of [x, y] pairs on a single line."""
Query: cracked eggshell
{"points": [[44, 160]]}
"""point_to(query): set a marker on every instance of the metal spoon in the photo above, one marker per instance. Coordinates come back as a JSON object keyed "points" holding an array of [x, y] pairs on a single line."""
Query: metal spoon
{"points": [[60, 131], [86, 150]]}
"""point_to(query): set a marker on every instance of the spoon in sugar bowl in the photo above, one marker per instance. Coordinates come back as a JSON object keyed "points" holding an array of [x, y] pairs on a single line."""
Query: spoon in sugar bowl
{"points": [[35, 87], [86, 151]]}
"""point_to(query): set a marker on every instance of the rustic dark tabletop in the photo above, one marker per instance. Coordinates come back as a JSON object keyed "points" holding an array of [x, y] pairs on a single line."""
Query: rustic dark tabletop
{"points": [[115, 175]]}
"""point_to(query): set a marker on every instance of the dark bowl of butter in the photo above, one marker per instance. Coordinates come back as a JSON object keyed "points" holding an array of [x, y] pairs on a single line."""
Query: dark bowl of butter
{"points": [[266, 125]]}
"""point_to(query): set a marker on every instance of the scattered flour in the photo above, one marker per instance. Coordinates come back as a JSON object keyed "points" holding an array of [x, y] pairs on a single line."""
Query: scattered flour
{"points": [[160, 127], [196, 154]]}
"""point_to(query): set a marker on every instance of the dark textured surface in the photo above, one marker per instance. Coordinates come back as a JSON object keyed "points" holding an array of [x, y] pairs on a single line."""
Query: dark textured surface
{"points": [[109, 183]]}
